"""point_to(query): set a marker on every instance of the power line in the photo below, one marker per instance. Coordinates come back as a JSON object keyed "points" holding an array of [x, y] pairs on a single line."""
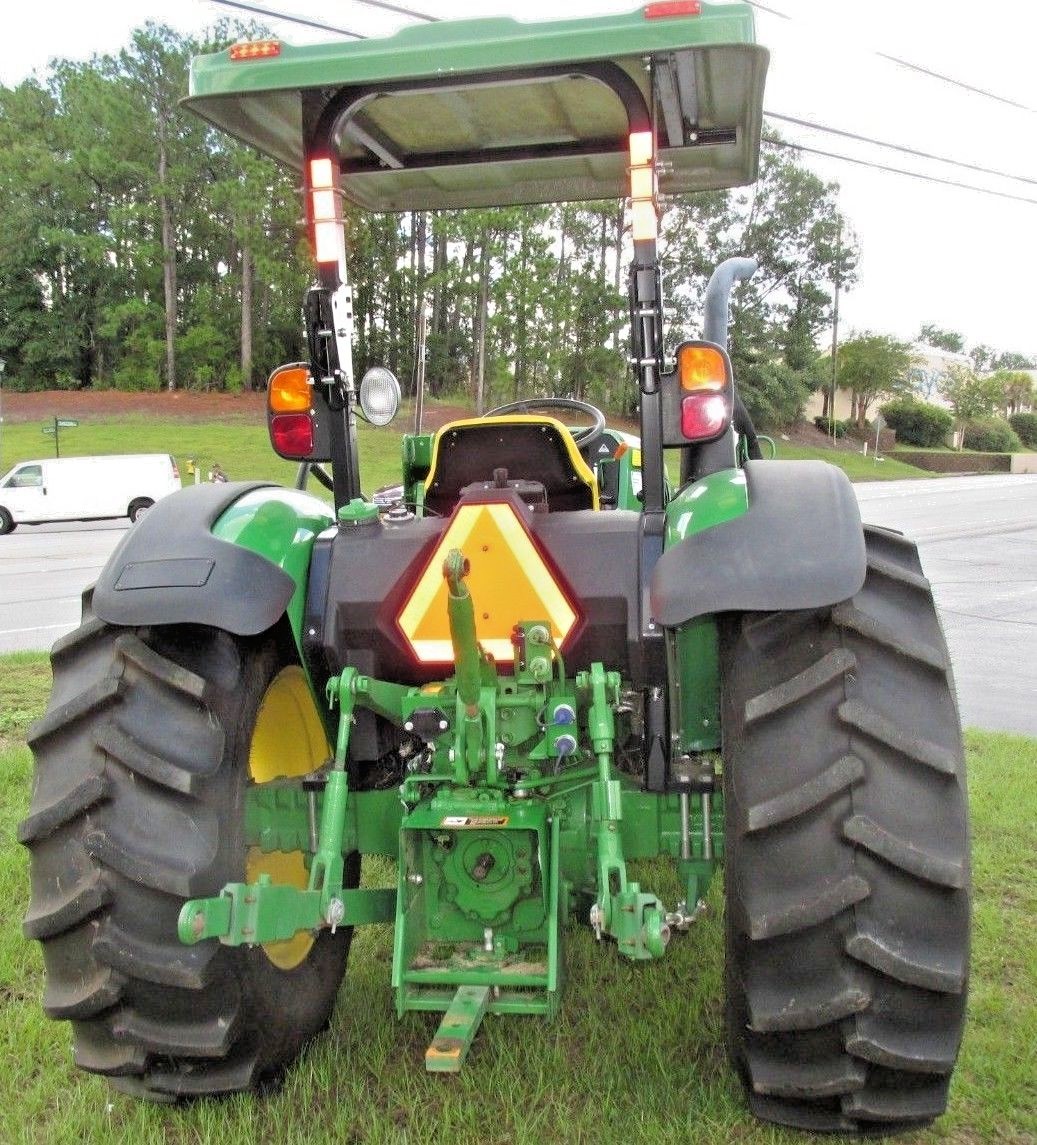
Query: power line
{"points": [[400, 11], [902, 63], [775, 142], [956, 83], [272, 14], [898, 147]]}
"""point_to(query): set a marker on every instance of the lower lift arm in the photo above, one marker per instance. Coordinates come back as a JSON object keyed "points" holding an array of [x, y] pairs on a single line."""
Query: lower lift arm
{"points": [[246, 913]]}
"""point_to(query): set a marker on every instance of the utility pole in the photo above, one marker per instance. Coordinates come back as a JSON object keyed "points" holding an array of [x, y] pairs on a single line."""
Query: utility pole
{"points": [[835, 328]]}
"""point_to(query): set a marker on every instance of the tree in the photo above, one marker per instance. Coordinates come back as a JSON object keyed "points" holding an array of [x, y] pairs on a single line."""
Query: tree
{"points": [[982, 358], [790, 224], [1015, 389], [1012, 360], [872, 366], [932, 335], [969, 395]]}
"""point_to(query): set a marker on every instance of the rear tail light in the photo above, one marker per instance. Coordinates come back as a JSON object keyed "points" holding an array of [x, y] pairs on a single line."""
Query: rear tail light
{"points": [[292, 434], [176, 471], [698, 396], [297, 430], [704, 415], [704, 376]]}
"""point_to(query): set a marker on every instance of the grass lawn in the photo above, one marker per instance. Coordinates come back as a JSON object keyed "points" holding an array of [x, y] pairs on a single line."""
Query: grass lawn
{"points": [[636, 1055], [243, 449], [855, 465]]}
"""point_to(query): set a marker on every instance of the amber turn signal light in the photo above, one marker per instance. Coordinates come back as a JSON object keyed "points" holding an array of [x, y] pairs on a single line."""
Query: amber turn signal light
{"points": [[701, 367], [289, 390]]}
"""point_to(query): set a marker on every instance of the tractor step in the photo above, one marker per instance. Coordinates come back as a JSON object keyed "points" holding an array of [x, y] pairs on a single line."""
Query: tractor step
{"points": [[457, 1030]]}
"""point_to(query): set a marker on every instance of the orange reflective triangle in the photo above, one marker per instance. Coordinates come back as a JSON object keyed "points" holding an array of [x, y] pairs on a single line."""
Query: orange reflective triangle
{"points": [[509, 581]]}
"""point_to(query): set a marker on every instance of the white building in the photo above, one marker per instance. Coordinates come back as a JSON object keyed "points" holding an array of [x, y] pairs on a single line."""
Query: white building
{"points": [[929, 367]]}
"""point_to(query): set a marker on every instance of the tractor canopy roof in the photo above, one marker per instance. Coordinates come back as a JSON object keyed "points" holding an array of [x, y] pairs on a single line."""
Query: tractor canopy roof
{"points": [[495, 111]]}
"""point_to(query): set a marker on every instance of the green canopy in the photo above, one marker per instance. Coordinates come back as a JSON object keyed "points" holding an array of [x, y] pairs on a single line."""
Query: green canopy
{"points": [[497, 111]]}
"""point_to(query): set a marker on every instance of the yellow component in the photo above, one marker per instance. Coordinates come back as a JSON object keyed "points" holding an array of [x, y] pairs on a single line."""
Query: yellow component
{"points": [[289, 390], [288, 740], [701, 368], [509, 581], [581, 468]]}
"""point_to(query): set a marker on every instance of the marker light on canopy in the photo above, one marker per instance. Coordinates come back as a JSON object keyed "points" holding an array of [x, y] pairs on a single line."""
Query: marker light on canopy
{"points": [[665, 9], [325, 210], [255, 50], [644, 220]]}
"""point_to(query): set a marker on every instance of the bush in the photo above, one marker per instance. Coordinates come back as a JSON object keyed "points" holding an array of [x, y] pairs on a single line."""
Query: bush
{"points": [[826, 427], [918, 423], [1025, 424], [990, 435]]}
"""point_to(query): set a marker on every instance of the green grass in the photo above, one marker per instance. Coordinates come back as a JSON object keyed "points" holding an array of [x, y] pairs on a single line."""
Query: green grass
{"points": [[855, 465], [241, 446], [243, 450], [636, 1055]]}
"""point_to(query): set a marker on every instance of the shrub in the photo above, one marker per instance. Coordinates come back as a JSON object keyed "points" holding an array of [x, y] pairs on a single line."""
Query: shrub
{"points": [[826, 427], [1025, 424], [918, 423], [990, 435]]}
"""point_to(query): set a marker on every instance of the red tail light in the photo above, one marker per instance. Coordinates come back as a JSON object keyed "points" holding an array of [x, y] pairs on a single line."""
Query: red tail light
{"points": [[704, 415], [292, 434]]}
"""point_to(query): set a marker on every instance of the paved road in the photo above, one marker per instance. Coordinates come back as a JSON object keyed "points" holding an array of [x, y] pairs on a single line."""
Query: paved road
{"points": [[978, 537], [978, 541], [43, 571]]}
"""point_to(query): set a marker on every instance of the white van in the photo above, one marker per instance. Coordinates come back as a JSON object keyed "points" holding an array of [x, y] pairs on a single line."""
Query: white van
{"points": [[85, 488]]}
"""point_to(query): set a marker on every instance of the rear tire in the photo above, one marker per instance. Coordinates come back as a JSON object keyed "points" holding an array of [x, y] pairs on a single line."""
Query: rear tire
{"points": [[7, 524], [138, 508], [142, 764], [847, 856]]}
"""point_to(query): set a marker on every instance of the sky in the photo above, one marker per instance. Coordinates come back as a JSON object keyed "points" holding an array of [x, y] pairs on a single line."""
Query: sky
{"points": [[929, 253]]}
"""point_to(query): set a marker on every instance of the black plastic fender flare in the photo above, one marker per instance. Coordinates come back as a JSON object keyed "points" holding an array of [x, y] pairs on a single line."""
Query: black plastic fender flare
{"points": [[799, 545], [170, 569]]}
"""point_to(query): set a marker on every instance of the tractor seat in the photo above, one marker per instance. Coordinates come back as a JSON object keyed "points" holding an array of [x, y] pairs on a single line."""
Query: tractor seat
{"points": [[528, 446]]}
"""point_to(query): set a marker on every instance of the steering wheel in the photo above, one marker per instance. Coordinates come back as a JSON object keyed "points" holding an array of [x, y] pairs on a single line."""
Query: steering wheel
{"points": [[585, 437]]}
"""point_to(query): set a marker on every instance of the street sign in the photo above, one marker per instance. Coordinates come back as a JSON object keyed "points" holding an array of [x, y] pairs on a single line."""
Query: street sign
{"points": [[54, 428]]}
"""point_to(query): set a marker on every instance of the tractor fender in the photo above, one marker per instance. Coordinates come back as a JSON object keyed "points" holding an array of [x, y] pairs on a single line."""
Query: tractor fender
{"points": [[233, 555], [799, 544]]}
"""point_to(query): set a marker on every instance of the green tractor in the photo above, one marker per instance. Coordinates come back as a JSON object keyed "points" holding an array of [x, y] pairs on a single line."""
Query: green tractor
{"points": [[550, 653]]}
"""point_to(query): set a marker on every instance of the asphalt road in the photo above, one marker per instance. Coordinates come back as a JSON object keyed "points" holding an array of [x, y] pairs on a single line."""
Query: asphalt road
{"points": [[43, 571], [978, 540]]}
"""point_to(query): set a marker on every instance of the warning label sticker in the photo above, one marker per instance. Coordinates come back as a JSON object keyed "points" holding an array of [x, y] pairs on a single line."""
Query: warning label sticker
{"points": [[465, 821]]}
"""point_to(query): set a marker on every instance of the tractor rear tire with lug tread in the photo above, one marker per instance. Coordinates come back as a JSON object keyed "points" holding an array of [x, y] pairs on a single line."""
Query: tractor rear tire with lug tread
{"points": [[142, 763], [847, 856]]}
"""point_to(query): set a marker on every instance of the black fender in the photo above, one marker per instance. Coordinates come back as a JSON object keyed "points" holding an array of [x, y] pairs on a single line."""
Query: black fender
{"points": [[170, 569], [800, 544]]}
